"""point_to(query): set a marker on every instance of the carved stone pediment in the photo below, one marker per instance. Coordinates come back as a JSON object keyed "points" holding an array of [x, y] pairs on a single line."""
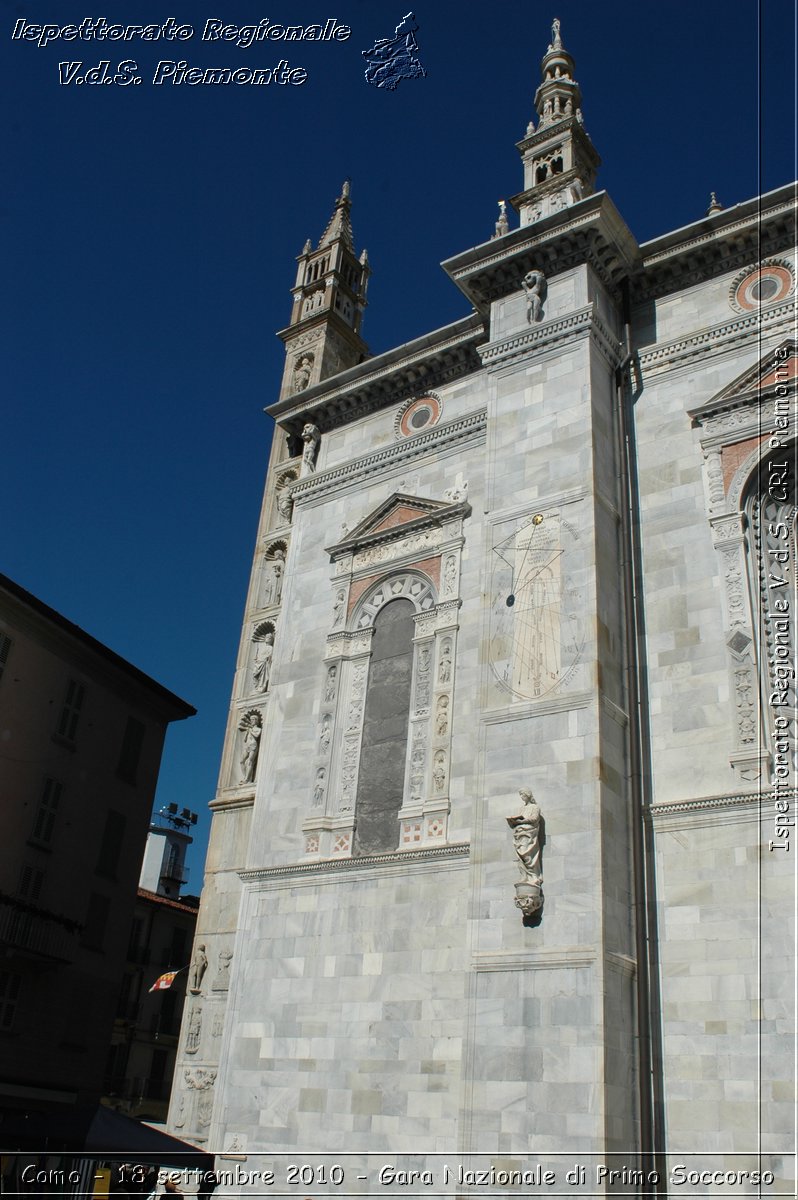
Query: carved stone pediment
{"points": [[755, 386], [399, 518]]}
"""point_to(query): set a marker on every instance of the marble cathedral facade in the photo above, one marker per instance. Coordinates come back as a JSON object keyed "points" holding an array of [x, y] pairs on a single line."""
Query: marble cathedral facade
{"points": [[501, 854]]}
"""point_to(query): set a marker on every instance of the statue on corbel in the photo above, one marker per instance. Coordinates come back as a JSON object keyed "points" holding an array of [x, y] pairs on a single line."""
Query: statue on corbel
{"points": [[527, 839]]}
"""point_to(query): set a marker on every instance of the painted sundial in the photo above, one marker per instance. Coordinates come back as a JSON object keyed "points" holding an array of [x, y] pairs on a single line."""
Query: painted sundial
{"points": [[536, 629]]}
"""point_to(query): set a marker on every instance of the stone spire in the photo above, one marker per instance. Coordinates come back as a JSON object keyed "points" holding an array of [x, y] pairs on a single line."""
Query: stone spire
{"points": [[339, 225], [323, 336], [560, 162]]}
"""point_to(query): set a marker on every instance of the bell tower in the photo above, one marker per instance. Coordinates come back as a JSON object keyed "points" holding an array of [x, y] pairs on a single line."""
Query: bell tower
{"points": [[323, 336], [560, 161]]}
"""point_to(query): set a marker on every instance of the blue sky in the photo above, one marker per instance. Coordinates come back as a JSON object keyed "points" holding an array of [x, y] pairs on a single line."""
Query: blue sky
{"points": [[149, 238]]}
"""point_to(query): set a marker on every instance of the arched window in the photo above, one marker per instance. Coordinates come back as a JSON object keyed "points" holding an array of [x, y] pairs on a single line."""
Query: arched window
{"points": [[383, 749]]}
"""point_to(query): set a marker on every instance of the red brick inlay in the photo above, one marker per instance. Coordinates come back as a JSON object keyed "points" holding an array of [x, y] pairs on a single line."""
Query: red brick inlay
{"points": [[400, 516], [732, 456]]}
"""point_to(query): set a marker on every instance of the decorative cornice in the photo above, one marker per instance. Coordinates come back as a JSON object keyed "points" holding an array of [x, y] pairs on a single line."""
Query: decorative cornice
{"points": [[726, 241], [407, 371], [348, 866], [590, 231], [713, 339], [315, 486], [228, 803], [704, 803], [552, 334]]}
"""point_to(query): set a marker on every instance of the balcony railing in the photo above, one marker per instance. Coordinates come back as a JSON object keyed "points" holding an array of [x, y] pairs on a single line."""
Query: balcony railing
{"points": [[34, 931]]}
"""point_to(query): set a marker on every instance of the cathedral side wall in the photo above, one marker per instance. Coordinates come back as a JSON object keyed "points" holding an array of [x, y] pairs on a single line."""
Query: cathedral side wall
{"points": [[358, 1044], [727, 939]]}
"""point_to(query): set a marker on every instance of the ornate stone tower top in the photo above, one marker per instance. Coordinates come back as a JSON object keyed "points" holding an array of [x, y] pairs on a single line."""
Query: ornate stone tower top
{"points": [[560, 162], [323, 336]]}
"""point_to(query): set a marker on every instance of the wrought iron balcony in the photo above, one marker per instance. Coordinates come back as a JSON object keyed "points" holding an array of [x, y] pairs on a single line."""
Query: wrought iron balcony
{"points": [[32, 931]]}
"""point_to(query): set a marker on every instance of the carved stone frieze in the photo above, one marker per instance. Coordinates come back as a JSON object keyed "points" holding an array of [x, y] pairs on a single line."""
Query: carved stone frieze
{"points": [[421, 543]]}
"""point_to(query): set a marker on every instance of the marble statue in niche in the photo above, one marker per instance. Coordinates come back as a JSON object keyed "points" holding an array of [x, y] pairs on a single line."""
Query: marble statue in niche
{"points": [[273, 584], [331, 684], [534, 284], [318, 790], [311, 437], [525, 826], [303, 369], [285, 505], [439, 771], [263, 662], [251, 727], [198, 968], [338, 608], [324, 737], [445, 665]]}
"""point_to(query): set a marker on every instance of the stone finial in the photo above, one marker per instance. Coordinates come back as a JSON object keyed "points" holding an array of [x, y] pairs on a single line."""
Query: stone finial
{"points": [[714, 204], [556, 40], [502, 225]]}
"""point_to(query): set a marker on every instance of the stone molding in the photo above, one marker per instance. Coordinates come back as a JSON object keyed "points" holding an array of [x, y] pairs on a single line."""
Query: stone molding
{"points": [[552, 334], [320, 485], [536, 708], [534, 960], [705, 803], [387, 380], [667, 355], [687, 247], [339, 868], [229, 803]]}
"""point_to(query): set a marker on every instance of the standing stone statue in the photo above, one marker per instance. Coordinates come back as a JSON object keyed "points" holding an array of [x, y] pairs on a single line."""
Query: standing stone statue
{"points": [[526, 839], [285, 504], [534, 283], [263, 662], [302, 372], [311, 437], [278, 571], [198, 968], [251, 728]]}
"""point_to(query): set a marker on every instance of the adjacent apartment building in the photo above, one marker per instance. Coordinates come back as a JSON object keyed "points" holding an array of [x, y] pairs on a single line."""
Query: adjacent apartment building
{"points": [[81, 737]]}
